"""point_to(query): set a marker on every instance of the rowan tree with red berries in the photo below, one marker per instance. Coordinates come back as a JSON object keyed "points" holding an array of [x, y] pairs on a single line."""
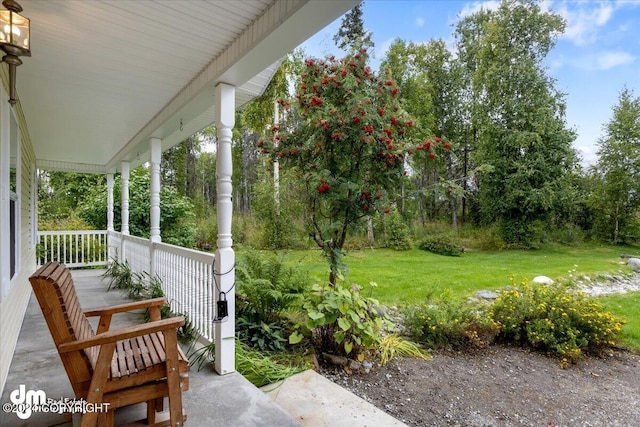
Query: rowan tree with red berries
{"points": [[346, 136]]}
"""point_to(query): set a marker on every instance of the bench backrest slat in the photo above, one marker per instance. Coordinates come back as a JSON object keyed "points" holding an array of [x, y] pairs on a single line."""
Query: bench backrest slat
{"points": [[54, 288]]}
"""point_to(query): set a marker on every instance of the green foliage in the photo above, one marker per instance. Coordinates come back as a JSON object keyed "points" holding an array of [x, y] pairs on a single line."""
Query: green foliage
{"points": [[397, 231], [71, 222], [275, 219], [448, 323], [392, 346], [207, 232], [119, 275], [141, 286], [430, 81], [616, 198], [341, 321], [347, 146], [263, 370], [266, 337], [441, 245], [626, 305], [351, 34], [266, 290], [555, 319], [518, 117], [176, 212], [179, 169], [61, 193]]}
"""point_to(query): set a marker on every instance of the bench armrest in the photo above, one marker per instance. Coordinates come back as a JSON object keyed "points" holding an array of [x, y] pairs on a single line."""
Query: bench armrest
{"points": [[122, 308], [170, 324]]}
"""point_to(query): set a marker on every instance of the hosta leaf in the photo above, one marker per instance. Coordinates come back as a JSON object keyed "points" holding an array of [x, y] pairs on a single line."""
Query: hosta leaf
{"points": [[344, 324], [348, 346], [295, 337], [343, 307], [316, 315]]}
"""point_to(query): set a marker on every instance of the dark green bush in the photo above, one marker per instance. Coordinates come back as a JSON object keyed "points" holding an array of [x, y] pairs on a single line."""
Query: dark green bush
{"points": [[341, 321], [266, 290], [441, 245], [398, 233]]}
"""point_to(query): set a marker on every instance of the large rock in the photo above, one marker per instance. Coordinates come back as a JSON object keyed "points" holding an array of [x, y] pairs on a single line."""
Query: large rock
{"points": [[634, 263], [487, 294], [543, 280]]}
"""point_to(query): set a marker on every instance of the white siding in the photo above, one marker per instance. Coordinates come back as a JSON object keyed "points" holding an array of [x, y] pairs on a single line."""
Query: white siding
{"points": [[14, 305]]}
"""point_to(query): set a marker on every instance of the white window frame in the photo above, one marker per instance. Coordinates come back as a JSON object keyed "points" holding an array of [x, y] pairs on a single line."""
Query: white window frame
{"points": [[7, 195], [5, 163]]}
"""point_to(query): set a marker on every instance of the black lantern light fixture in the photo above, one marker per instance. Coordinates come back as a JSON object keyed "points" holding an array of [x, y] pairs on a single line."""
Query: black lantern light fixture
{"points": [[14, 40]]}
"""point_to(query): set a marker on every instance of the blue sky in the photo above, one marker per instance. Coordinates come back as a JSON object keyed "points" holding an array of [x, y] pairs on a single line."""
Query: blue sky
{"points": [[596, 56]]}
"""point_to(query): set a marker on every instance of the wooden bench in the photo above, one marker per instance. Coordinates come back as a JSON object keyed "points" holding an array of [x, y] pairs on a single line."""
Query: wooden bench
{"points": [[122, 367]]}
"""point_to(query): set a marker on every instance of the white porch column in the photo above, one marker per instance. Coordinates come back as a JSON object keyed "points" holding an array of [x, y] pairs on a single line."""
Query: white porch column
{"points": [[125, 168], [110, 202], [225, 257], [156, 154]]}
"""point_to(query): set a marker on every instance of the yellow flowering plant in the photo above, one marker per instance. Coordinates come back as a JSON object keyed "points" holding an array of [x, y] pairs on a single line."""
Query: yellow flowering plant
{"points": [[554, 319]]}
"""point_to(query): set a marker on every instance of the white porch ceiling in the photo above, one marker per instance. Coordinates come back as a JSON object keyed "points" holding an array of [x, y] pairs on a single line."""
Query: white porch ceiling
{"points": [[105, 76]]}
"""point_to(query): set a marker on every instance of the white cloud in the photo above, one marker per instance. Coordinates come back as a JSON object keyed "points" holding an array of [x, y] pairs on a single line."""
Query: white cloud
{"points": [[587, 153], [608, 60], [584, 20], [476, 6], [602, 61], [420, 21]]}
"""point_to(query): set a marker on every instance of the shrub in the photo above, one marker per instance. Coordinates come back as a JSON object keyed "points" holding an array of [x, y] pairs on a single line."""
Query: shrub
{"points": [[341, 321], [266, 289], [554, 319], [441, 245], [443, 323], [398, 234], [207, 233]]}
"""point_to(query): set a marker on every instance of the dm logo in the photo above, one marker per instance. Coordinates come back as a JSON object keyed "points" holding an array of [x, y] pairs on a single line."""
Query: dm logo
{"points": [[25, 401]]}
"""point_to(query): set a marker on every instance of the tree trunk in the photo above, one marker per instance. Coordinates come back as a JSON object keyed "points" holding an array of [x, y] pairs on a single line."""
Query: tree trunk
{"points": [[452, 199], [370, 237]]}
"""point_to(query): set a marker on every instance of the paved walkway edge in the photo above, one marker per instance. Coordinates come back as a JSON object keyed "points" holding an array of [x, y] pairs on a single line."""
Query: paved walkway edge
{"points": [[315, 401]]}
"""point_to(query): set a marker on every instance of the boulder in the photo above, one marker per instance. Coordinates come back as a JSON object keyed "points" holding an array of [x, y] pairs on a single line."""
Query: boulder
{"points": [[634, 263], [543, 280], [487, 294]]}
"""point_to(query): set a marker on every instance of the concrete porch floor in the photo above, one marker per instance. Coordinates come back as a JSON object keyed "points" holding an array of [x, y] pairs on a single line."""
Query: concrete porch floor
{"points": [[212, 400]]}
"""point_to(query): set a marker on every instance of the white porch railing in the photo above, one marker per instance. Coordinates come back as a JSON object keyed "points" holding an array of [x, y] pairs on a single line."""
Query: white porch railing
{"points": [[186, 274], [187, 281], [80, 248]]}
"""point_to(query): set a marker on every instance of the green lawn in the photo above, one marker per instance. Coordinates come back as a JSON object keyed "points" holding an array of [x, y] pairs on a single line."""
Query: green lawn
{"points": [[408, 276], [626, 306]]}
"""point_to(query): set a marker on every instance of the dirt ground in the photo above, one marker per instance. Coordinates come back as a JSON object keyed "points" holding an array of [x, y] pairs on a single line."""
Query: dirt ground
{"points": [[502, 386]]}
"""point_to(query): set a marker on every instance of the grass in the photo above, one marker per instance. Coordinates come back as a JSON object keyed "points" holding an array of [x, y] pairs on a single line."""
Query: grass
{"points": [[626, 306], [409, 276]]}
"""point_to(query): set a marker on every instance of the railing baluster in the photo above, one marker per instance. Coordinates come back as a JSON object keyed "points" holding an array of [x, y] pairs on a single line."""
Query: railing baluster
{"points": [[186, 275]]}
